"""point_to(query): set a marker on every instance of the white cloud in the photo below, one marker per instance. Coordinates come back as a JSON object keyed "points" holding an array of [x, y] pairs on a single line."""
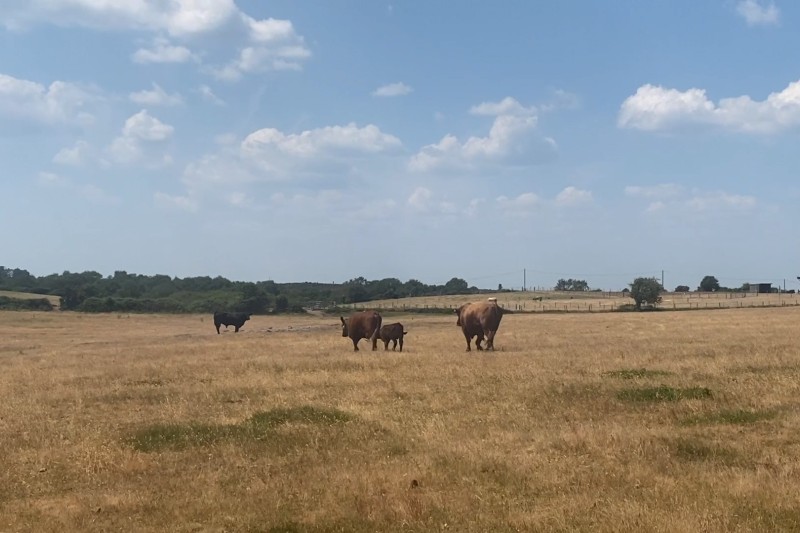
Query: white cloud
{"points": [[420, 199], [423, 200], [213, 171], [74, 156], [269, 30], [60, 102], [262, 45], [331, 140], [147, 128], [238, 199], [176, 17], [393, 89], [139, 130], [757, 13], [156, 96], [89, 192], [523, 205], [561, 99], [572, 196], [262, 58], [96, 195], [162, 51], [208, 95], [655, 108], [715, 201], [507, 106], [512, 140], [181, 203], [671, 199], [51, 179], [660, 191]]}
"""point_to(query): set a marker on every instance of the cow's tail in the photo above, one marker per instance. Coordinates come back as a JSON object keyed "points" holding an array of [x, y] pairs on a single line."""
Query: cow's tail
{"points": [[377, 332]]}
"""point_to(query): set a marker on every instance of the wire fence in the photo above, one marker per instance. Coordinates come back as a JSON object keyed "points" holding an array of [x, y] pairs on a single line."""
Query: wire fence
{"points": [[552, 302]]}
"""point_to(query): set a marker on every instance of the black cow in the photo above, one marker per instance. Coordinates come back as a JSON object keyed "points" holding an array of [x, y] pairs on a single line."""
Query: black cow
{"points": [[230, 319]]}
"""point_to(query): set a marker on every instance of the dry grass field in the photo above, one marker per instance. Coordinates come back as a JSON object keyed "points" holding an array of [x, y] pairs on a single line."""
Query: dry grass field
{"points": [[594, 302], [660, 421]]}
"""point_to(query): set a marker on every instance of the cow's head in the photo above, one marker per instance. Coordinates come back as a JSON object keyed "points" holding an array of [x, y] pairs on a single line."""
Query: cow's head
{"points": [[458, 313], [344, 326]]}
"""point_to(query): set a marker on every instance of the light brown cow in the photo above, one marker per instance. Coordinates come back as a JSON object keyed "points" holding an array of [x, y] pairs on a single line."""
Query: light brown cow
{"points": [[362, 325], [392, 332], [480, 319]]}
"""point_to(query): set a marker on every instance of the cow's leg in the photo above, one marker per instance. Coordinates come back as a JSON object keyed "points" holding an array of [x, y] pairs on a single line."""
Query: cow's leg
{"points": [[469, 341], [490, 340], [375, 341], [217, 326], [401, 343], [394, 344], [236, 330], [385, 345], [478, 342], [355, 345]]}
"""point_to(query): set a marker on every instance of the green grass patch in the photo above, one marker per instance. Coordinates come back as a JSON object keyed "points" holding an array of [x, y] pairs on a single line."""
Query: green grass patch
{"points": [[663, 393], [696, 450], [257, 427], [736, 417], [635, 373]]}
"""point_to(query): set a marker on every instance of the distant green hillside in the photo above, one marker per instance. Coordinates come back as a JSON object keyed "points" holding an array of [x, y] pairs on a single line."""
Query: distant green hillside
{"points": [[24, 301]]}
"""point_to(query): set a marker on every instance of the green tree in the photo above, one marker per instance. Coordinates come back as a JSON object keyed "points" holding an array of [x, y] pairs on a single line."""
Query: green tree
{"points": [[456, 286], [281, 304], [254, 299], [414, 287], [646, 291], [570, 284], [682, 288], [708, 284]]}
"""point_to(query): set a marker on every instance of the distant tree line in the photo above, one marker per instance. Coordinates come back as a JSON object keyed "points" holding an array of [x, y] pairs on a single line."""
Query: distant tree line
{"points": [[123, 292]]}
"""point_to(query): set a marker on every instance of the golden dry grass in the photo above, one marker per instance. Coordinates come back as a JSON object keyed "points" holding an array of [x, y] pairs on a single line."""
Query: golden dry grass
{"points": [[579, 422], [563, 301]]}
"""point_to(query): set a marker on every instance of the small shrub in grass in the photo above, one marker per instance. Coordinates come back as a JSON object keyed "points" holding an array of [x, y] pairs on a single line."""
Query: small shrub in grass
{"points": [[635, 373], [663, 393], [738, 417]]}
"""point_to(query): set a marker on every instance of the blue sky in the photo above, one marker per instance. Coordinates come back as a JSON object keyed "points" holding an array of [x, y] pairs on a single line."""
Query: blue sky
{"points": [[321, 141]]}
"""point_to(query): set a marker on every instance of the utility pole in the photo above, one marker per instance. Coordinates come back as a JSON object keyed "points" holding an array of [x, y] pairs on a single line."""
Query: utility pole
{"points": [[662, 280], [524, 280]]}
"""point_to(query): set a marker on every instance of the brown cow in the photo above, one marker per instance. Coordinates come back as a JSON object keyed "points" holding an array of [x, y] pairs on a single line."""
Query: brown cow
{"points": [[392, 332], [478, 320], [362, 325]]}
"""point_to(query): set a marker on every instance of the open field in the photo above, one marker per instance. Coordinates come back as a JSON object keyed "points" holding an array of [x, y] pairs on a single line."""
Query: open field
{"points": [[560, 301], [579, 422]]}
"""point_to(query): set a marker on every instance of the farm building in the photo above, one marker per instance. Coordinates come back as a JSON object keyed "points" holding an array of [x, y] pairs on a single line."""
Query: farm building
{"points": [[761, 288]]}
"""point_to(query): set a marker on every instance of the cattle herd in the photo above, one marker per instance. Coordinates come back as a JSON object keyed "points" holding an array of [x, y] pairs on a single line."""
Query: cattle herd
{"points": [[479, 320]]}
